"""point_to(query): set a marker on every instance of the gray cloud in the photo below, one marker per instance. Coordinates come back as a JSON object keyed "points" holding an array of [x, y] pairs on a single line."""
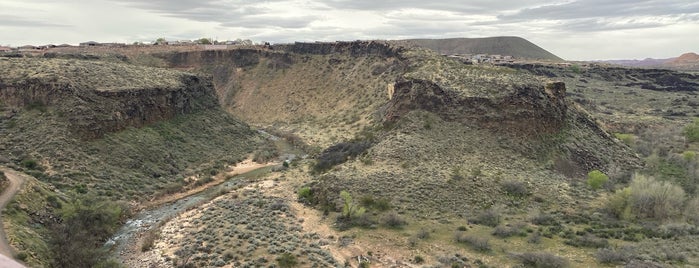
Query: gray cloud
{"points": [[232, 13], [14, 21], [602, 8], [473, 6]]}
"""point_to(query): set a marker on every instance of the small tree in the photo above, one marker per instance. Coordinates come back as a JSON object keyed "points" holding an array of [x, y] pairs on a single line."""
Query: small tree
{"points": [[596, 179], [349, 209], [204, 41]]}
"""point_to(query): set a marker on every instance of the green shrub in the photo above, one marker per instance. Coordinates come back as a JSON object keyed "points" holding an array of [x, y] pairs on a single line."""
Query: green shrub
{"points": [[29, 163], [596, 179], [287, 260], [349, 209], [418, 259], [691, 131], [305, 195], [22, 256], [627, 139]]}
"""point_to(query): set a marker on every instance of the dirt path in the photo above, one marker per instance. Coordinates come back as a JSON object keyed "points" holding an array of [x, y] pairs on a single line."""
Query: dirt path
{"points": [[16, 180]]}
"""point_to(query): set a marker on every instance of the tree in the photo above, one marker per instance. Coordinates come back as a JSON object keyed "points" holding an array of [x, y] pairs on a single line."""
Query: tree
{"points": [[204, 41], [160, 41], [349, 209]]}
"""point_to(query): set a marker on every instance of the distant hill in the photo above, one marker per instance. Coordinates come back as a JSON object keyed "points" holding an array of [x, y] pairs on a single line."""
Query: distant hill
{"points": [[648, 62], [691, 58], [687, 61], [503, 45]]}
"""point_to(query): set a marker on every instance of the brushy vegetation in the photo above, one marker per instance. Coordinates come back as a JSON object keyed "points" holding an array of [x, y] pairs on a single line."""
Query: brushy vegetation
{"points": [[339, 153], [596, 179], [542, 260], [691, 131], [77, 239], [478, 243], [489, 217], [647, 198]]}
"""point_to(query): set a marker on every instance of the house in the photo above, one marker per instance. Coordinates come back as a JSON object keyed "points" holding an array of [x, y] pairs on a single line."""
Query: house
{"points": [[5, 49]]}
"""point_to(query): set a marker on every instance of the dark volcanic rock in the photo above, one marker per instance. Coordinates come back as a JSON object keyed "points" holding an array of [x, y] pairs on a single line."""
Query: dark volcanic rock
{"points": [[527, 111]]}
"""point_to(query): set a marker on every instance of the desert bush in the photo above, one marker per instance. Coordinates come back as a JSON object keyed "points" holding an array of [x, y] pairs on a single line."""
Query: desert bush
{"points": [[588, 241], [542, 260], [350, 210], [287, 260], [149, 240], [339, 153], [653, 199], [517, 229], [29, 163], [305, 195], [535, 238], [691, 211], [77, 240], [380, 204], [418, 259], [515, 188], [543, 219], [691, 131], [393, 220], [647, 198], [423, 234], [596, 179], [628, 139], [614, 256], [489, 217], [476, 242], [266, 152]]}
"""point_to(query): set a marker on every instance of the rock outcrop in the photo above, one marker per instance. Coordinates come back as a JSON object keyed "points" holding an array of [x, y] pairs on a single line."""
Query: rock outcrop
{"points": [[93, 110], [528, 111]]}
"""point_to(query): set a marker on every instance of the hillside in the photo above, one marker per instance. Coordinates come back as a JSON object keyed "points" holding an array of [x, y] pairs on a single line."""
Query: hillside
{"points": [[504, 45], [105, 132], [427, 145], [397, 156]]}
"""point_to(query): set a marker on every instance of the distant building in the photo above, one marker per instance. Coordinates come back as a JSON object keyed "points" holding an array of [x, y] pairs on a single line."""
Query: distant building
{"points": [[98, 44], [90, 44]]}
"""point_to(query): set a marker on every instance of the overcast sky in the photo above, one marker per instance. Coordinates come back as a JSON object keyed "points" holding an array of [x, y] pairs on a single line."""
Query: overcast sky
{"points": [[571, 29]]}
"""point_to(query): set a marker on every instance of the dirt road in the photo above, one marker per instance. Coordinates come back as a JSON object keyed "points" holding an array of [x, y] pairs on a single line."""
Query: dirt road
{"points": [[16, 181]]}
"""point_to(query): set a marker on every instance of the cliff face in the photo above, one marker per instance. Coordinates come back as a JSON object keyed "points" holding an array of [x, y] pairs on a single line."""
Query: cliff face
{"points": [[356, 48], [539, 110], [96, 109], [118, 110]]}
